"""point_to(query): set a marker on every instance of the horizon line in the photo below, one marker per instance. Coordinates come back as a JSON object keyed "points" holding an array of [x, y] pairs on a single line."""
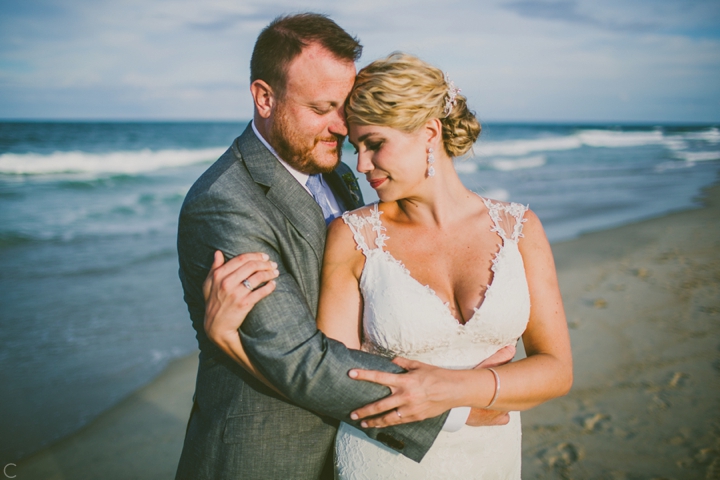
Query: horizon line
{"points": [[488, 121]]}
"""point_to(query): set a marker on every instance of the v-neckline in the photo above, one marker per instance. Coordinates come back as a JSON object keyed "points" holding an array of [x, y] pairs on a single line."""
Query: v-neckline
{"points": [[434, 294], [431, 291], [380, 244]]}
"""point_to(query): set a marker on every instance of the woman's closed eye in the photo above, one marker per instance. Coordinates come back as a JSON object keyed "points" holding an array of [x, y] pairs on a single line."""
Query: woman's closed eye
{"points": [[374, 146]]}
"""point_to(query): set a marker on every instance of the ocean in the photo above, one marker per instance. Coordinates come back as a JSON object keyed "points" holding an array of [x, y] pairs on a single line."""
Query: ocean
{"points": [[91, 307]]}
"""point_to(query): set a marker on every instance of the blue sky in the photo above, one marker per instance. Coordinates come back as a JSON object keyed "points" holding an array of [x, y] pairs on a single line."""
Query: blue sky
{"points": [[515, 60]]}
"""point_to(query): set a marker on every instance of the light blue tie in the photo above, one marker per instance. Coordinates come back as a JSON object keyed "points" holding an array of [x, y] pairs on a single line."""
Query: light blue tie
{"points": [[314, 184]]}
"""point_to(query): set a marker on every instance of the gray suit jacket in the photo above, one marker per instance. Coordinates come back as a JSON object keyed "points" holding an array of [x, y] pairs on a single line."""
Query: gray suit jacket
{"points": [[247, 202]]}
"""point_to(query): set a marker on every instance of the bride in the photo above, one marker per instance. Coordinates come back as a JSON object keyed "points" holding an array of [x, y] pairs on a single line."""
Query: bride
{"points": [[437, 277]]}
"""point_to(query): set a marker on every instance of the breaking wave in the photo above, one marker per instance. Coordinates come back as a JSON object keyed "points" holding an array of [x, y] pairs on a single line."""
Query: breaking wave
{"points": [[118, 162], [596, 139]]}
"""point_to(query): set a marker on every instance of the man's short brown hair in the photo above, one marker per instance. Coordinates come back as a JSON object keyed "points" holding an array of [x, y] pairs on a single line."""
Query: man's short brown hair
{"points": [[283, 40]]}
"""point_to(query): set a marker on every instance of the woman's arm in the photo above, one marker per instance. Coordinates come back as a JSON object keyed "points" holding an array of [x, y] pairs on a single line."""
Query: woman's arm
{"points": [[340, 304], [546, 372], [233, 300]]}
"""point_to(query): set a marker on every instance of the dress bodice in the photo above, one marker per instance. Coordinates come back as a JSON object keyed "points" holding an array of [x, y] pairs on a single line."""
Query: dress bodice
{"points": [[404, 318]]}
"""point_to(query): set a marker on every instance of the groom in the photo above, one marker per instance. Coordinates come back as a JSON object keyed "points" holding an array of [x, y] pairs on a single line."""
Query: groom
{"points": [[273, 191]]}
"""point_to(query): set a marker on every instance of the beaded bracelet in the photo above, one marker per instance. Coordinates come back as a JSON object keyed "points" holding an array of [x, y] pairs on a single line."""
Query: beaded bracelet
{"points": [[497, 387]]}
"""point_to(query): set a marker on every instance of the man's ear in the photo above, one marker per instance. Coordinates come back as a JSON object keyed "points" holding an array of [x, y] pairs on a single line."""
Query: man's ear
{"points": [[263, 97]]}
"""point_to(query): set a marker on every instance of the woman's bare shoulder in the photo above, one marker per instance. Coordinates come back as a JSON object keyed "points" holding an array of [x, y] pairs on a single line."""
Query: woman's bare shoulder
{"points": [[533, 235], [343, 236], [531, 224]]}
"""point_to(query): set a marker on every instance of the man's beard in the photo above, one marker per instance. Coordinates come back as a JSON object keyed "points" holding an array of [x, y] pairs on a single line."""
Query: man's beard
{"points": [[294, 150]]}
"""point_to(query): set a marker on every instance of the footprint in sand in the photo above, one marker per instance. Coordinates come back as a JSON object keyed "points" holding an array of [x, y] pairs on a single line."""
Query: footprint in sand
{"points": [[678, 379], [641, 272], [659, 403], [595, 422], [560, 456]]}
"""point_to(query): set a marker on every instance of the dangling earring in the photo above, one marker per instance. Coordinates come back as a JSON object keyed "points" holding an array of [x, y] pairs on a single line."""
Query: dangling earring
{"points": [[431, 160]]}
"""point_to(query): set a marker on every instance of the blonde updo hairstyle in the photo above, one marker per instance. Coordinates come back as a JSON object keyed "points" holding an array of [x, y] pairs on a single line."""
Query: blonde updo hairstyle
{"points": [[403, 92]]}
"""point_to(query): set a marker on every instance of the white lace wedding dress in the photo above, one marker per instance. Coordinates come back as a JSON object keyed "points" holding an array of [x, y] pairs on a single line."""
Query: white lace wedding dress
{"points": [[405, 318]]}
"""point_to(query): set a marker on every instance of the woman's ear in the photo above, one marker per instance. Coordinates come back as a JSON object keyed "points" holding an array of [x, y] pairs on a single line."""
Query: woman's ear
{"points": [[263, 98], [433, 132]]}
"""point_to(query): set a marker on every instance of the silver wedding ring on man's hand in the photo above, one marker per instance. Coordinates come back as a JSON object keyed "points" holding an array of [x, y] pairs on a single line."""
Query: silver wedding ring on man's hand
{"points": [[247, 284], [398, 413]]}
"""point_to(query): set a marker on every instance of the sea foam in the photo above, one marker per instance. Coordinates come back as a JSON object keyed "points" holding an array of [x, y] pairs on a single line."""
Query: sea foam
{"points": [[119, 162], [593, 138], [612, 139], [698, 156], [508, 164], [516, 148]]}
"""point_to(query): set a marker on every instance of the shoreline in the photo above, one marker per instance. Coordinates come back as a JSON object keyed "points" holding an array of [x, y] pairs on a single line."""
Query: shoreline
{"points": [[645, 391]]}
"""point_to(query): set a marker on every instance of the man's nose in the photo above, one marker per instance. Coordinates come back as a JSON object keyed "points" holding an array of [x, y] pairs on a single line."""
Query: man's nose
{"points": [[338, 123]]}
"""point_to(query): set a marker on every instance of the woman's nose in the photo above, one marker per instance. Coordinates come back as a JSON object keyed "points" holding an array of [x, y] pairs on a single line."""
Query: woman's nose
{"points": [[364, 164]]}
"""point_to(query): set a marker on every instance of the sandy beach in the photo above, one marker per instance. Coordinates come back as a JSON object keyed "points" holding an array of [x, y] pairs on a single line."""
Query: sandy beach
{"points": [[643, 306]]}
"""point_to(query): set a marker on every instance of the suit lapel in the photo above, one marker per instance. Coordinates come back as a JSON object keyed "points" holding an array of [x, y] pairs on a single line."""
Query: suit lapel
{"points": [[284, 191]]}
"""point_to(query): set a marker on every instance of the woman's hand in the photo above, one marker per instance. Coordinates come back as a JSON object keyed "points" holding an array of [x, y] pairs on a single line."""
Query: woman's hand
{"points": [[231, 289], [423, 392]]}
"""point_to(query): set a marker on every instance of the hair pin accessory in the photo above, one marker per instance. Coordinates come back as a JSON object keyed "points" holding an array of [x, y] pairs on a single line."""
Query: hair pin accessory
{"points": [[451, 98]]}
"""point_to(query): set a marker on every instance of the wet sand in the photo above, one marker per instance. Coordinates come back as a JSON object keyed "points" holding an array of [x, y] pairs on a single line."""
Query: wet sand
{"points": [[643, 306], [141, 438]]}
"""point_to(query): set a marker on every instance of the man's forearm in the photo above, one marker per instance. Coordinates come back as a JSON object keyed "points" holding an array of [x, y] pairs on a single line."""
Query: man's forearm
{"points": [[281, 338]]}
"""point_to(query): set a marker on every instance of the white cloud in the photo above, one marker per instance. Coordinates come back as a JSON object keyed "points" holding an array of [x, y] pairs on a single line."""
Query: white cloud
{"points": [[519, 59]]}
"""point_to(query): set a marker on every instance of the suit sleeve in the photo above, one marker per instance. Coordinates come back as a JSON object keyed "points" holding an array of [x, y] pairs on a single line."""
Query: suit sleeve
{"points": [[280, 334]]}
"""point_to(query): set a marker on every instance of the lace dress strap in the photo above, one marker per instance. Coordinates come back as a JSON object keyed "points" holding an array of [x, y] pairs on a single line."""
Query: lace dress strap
{"points": [[368, 231], [506, 217]]}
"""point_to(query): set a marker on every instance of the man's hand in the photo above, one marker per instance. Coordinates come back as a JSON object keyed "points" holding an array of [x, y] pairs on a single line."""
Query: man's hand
{"points": [[501, 357], [484, 417]]}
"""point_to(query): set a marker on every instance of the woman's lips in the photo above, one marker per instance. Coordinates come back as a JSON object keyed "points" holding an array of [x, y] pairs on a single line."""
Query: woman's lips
{"points": [[375, 183]]}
